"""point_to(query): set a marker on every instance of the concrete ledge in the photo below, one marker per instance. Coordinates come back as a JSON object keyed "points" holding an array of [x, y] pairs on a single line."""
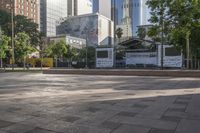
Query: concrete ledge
{"points": [[2, 70], [126, 72]]}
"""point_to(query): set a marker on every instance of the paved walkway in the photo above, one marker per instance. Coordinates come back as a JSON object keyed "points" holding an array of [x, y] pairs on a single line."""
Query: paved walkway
{"points": [[36, 103]]}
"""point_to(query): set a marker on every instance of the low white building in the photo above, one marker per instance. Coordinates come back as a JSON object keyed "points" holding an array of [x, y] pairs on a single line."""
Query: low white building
{"points": [[96, 29]]}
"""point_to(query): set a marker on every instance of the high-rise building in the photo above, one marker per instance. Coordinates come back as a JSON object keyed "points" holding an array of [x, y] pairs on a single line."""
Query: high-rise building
{"points": [[96, 29], [54, 11], [51, 11], [79, 7], [138, 13], [28, 8], [102, 7], [126, 21]]}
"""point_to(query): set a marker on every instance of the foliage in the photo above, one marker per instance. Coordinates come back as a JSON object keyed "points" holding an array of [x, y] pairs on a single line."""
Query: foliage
{"points": [[22, 45], [4, 45], [56, 50], [180, 20], [141, 33], [21, 24], [119, 32]]}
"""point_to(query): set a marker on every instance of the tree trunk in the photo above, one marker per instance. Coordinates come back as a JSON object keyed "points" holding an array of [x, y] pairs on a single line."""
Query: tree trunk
{"points": [[1, 63], [188, 49], [56, 62], [24, 63]]}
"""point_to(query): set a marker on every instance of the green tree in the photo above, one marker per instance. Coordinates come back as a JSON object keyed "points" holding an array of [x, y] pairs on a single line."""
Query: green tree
{"points": [[185, 16], [141, 33], [119, 33], [22, 46], [4, 41], [180, 20], [56, 50], [21, 24]]}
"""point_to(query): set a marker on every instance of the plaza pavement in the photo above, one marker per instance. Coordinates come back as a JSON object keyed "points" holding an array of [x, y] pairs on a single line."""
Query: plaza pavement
{"points": [[37, 103]]}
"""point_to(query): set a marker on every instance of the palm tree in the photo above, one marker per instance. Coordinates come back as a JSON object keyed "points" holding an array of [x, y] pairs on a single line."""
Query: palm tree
{"points": [[119, 33]]}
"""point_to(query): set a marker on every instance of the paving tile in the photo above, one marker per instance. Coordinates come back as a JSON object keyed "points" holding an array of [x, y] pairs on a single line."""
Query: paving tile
{"points": [[176, 109], [131, 129], [85, 129], [110, 125], [37, 121], [57, 126], [39, 130], [5, 123], [171, 118], [154, 130], [93, 110], [188, 126], [70, 119], [18, 128], [128, 114], [142, 106], [152, 123]]}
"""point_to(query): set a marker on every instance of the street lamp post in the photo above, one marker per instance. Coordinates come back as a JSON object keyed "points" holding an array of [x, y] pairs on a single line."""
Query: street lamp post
{"points": [[114, 22], [12, 6], [162, 38]]}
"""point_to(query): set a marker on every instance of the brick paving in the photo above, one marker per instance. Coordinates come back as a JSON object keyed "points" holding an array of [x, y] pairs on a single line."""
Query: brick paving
{"points": [[37, 103]]}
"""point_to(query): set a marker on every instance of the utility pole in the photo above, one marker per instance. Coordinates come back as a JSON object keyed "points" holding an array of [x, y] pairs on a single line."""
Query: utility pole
{"points": [[0, 43], [12, 5], [162, 38], [114, 22]]}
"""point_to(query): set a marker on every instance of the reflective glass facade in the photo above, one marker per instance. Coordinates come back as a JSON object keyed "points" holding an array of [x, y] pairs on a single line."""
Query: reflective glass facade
{"points": [[52, 11], [139, 13]]}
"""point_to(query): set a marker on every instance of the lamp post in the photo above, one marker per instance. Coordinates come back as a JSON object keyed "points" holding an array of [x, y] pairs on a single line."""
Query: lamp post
{"points": [[0, 43], [114, 22], [162, 38], [12, 7], [86, 32]]}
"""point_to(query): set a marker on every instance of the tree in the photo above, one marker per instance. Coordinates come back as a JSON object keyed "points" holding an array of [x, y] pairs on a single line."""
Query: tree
{"points": [[4, 41], [119, 33], [178, 20], [185, 16], [22, 46], [141, 33], [21, 24], [57, 50]]}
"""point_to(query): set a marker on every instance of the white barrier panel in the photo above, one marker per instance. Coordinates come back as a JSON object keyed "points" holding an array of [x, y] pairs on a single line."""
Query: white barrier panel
{"points": [[104, 57], [146, 58]]}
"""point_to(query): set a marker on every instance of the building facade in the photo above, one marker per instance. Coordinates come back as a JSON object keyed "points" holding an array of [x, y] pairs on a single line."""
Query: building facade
{"points": [[96, 29], [51, 12], [79, 7], [28, 8], [102, 7], [55, 11], [137, 10]]}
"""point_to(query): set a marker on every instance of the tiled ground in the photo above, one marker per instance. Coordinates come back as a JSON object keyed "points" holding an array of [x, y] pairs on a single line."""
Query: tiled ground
{"points": [[36, 103]]}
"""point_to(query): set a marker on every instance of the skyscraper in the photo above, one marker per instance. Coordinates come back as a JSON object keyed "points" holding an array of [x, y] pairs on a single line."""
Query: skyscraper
{"points": [[51, 11], [28, 8], [79, 7], [102, 7], [138, 12], [126, 21], [54, 11]]}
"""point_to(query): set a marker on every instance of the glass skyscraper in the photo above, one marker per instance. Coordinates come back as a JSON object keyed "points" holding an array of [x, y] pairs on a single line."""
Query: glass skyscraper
{"points": [[137, 10], [51, 11]]}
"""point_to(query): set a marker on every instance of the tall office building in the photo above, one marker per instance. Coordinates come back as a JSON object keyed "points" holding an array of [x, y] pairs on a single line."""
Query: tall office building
{"points": [[28, 8], [138, 12], [51, 11], [54, 11], [102, 7], [126, 22], [79, 7]]}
